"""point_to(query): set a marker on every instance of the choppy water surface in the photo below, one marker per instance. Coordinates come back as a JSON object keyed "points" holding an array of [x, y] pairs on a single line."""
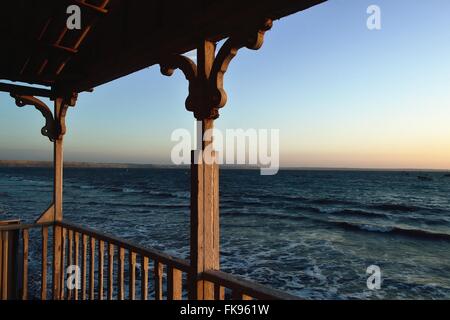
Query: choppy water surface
{"points": [[311, 233]]}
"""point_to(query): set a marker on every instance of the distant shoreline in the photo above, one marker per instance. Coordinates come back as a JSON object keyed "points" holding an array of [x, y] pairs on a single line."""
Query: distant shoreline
{"points": [[102, 165], [80, 165]]}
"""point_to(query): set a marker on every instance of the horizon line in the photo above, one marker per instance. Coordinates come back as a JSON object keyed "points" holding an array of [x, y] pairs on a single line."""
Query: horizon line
{"points": [[131, 165]]}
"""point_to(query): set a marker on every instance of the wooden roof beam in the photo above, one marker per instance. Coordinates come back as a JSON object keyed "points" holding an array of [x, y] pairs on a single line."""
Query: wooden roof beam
{"points": [[26, 91], [52, 94]]}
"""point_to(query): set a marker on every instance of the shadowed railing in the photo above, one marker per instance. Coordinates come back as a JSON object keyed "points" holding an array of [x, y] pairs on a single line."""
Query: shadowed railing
{"points": [[95, 249], [14, 251], [227, 286], [96, 266]]}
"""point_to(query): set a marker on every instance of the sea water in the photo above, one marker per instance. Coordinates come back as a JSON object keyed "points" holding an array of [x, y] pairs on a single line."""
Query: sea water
{"points": [[310, 233]]}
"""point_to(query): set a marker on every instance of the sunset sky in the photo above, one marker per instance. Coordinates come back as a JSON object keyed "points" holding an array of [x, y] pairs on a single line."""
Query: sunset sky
{"points": [[341, 95]]}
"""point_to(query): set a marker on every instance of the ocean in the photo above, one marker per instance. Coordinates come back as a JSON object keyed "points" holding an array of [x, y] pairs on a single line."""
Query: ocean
{"points": [[310, 233]]}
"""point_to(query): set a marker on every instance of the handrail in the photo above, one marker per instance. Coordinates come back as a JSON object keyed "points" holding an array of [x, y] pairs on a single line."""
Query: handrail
{"points": [[21, 226], [95, 244], [9, 222], [14, 252], [239, 287], [180, 264], [245, 287]]}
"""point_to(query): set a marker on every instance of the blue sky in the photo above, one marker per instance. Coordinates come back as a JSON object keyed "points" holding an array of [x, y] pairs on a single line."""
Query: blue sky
{"points": [[341, 95]]}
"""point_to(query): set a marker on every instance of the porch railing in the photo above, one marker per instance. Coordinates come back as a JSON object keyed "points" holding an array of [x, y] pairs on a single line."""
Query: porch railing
{"points": [[96, 246], [235, 288], [97, 266]]}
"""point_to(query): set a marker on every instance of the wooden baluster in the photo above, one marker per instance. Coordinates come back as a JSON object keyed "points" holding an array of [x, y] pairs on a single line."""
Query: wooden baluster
{"points": [[84, 271], [92, 270], [110, 271], [120, 274], [144, 278], [70, 261], [63, 269], [25, 237], [76, 262], [4, 262], [101, 254], [44, 263], [219, 292], [132, 269], [158, 273], [174, 284]]}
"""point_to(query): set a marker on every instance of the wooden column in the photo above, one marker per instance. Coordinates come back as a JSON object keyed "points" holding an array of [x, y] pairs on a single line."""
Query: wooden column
{"points": [[58, 206], [54, 129], [204, 220], [204, 192], [206, 97]]}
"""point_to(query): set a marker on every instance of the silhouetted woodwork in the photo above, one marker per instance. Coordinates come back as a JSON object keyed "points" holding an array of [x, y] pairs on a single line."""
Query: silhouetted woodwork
{"points": [[206, 88], [117, 37]]}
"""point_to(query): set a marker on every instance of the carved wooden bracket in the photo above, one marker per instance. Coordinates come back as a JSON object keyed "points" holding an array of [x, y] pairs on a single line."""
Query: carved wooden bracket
{"points": [[55, 126], [207, 94]]}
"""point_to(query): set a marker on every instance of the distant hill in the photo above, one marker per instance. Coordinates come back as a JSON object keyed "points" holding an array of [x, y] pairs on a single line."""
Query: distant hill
{"points": [[71, 164]]}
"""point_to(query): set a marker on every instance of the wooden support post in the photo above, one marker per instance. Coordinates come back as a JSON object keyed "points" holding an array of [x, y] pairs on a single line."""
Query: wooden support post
{"points": [[204, 251], [54, 129], [206, 97], [204, 220], [58, 206]]}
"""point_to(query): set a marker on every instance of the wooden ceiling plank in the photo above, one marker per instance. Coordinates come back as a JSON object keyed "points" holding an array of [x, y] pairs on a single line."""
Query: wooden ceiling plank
{"points": [[116, 47], [100, 9]]}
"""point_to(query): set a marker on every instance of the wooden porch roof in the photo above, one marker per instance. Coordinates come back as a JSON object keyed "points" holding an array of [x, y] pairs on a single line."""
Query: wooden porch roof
{"points": [[117, 37]]}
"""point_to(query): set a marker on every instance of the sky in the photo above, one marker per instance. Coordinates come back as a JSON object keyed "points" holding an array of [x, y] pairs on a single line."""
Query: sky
{"points": [[340, 94]]}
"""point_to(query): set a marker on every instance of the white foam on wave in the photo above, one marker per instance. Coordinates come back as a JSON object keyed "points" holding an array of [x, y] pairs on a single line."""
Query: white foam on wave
{"points": [[182, 194], [87, 187], [130, 190], [316, 273], [374, 228]]}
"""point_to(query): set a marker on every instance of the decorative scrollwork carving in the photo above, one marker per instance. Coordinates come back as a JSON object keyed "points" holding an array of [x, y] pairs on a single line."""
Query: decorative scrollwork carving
{"points": [[61, 120], [251, 40], [183, 63], [189, 68], [54, 129], [49, 130], [206, 98]]}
